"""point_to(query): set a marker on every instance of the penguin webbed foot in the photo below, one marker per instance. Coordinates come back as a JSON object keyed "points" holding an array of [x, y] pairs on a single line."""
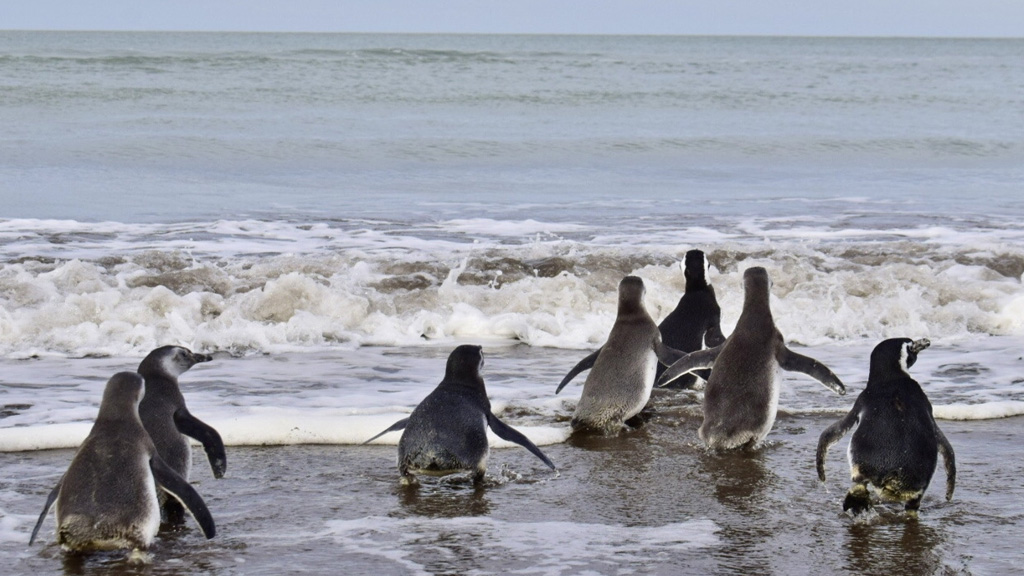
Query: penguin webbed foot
{"points": [[639, 419], [912, 506], [857, 501]]}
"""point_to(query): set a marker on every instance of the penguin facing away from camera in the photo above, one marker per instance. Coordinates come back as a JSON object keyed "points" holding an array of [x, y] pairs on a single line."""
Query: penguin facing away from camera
{"points": [[107, 499], [447, 432], [896, 443], [696, 319], [168, 420], [741, 398], [622, 370]]}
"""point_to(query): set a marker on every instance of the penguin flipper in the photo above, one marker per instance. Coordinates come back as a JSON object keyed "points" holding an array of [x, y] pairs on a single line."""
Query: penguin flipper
{"points": [[949, 460], [506, 432], [400, 425], [793, 362], [191, 426], [831, 435], [690, 362], [171, 482], [666, 354], [50, 499], [585, 364]]}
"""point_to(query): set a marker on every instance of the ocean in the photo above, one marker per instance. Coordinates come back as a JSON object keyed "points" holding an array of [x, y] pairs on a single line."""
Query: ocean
{"points": [[329, 215]]}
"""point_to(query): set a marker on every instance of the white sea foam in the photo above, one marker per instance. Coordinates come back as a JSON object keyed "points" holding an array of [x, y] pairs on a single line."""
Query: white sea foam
{"points": [[983, 411], [341, 286], [267, 427]]}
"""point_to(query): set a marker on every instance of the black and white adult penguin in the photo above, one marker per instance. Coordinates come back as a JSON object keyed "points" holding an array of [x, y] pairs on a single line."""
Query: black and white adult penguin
{"points": [[896, 444], [696, 319], [622, 370], [107, 499], [168, 421], [447, 432], [741, 398]]}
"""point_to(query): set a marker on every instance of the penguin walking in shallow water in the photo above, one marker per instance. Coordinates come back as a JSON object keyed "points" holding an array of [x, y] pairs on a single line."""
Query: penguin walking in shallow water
{"points": [[896, 444], [447, 432], [107, 499], [622, 370], [741, 398], [168, 421], [696, 319]]}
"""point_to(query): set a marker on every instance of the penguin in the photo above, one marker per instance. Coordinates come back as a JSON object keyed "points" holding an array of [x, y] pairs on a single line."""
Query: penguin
{"points": [[107, 498], [168, 421], [447, 432], [896, 443], [696, 319], [741, 397], [622, 370]]}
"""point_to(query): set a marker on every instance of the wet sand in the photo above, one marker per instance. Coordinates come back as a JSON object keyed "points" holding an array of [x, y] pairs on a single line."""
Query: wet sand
{"points": [[646, 502]]}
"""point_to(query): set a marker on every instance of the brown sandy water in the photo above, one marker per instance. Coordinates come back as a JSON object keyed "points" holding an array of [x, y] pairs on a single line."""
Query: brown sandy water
{"points": [[646, 502]]}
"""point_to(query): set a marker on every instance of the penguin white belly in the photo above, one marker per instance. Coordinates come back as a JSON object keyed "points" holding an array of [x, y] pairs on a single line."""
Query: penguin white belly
{"points": [[772, 409], [648, 369], [149, 523]]}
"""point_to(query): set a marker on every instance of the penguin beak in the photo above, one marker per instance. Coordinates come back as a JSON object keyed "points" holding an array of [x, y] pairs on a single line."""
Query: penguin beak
{"points": [[197, 358], [918, 345]]}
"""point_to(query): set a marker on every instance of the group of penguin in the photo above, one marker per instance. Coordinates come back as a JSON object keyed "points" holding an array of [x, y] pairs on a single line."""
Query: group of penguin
{"points": [[133, 467]]}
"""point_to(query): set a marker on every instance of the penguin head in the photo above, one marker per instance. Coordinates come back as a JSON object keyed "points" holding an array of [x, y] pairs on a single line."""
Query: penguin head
{"points": [[756, 281], [631, 294], [122, 395], [695, 269], [465, 364], [896, 354], [170, 361]]}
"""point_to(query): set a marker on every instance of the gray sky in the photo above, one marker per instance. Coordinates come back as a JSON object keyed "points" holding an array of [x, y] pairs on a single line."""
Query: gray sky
{"points": [[981, 18]]}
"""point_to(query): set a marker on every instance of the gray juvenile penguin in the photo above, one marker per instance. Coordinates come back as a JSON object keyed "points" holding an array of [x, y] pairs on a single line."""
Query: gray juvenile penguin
{"points": [[696, 320], [168, 421], [447, 432], [742, 395], [896, 444], [107, 499], [622, 370]]}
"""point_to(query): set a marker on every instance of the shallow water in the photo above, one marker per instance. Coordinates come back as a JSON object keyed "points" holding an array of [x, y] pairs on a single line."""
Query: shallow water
{"points": [[649, 501]]}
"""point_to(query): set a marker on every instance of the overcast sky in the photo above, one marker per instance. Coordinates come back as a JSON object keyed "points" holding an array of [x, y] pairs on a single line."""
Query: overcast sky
{"points": [[981, 18]]}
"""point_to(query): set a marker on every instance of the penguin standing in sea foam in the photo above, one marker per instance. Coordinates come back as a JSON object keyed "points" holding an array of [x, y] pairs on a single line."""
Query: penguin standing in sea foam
{"points": [[447, 432], [168, 421], [622, 370], [741, 398], [897, 442], [107, 499], [696, 320]]}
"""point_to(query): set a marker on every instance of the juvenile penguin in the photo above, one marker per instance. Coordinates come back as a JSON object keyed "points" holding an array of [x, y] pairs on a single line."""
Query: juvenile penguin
{"points": [[896, 444], [696, 320], [741, 398], [622, 370], [107, 499], [447, 432], [168, 421]]}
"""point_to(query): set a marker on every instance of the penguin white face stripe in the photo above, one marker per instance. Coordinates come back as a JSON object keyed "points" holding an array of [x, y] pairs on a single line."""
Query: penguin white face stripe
{"points": [[170, 366], [904, 356]]}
